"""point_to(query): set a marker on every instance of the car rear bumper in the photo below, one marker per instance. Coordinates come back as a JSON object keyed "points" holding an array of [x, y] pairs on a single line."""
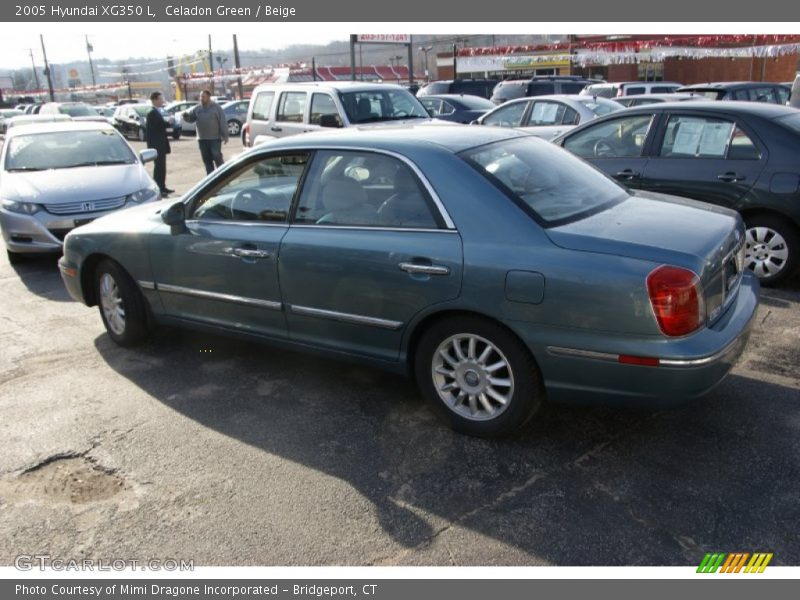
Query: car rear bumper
{"points": [[586, 369]]}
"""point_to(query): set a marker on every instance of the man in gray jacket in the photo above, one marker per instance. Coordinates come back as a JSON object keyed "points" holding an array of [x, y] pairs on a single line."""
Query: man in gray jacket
{"points": [[212, 130]]}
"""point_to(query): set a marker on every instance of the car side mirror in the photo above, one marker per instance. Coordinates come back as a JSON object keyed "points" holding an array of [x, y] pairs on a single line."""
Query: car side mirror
{"points": [[329, 121], [148, 155], [175, 217]]}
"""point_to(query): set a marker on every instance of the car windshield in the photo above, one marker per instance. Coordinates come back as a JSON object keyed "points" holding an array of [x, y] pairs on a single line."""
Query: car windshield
{"points": [[475, 103], [792, 122], [67, 149], [381, 105], [510, 91], [600, 108], [76, 110], [6, 114], [142, 110], [552, 184]]}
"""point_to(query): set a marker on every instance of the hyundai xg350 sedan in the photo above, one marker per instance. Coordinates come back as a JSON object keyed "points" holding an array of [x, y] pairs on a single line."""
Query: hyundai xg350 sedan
{"points": [[59, 175], [497, 268]]}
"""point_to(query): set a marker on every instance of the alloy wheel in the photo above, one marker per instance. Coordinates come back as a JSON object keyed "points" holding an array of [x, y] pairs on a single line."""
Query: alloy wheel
{"points": [[472, 376]]}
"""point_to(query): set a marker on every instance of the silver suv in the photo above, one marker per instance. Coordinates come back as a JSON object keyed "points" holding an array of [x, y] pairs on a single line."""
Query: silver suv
{"points": [[283, 109]]}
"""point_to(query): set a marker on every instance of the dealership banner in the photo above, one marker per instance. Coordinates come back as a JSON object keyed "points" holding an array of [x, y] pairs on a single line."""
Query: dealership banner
{"points": [[498, 11]]}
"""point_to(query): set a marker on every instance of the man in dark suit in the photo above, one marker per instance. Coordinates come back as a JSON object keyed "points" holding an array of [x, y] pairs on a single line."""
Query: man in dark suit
{"points": [[156, 136]]}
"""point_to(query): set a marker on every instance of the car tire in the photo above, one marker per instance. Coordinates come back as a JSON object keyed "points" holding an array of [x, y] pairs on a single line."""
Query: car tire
{"points": [[121, 305], [140, 134], [772, 245], [492, 389], [234, 127], [176, 135]]}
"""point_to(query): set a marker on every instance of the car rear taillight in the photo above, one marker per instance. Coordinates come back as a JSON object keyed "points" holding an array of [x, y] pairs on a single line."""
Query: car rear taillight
{"points": [[677, 299]]}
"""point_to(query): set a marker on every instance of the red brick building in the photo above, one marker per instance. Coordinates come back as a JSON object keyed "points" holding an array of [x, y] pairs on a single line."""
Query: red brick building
{"points": [[685, 59]]}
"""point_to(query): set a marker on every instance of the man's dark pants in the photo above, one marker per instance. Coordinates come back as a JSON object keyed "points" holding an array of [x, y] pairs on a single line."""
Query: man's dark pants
{"points": [[160, 170], [211, 152]]}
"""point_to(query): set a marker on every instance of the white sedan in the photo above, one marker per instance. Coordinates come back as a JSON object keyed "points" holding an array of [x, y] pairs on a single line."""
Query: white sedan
{"points": [[548, 117]]}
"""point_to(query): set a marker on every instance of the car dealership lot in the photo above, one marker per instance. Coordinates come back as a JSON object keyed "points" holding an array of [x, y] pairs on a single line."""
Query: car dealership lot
{"points": [[203, 448]]}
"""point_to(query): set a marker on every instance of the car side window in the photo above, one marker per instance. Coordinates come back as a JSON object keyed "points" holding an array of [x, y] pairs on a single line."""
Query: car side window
{"points": [[262, 105], [507, 116], [447, 108], [783, 95], [634, 90], [363, 189], [622, 137], [323, 105], [291, 107], [546, 113], [260, 191], [765, 94], [433, 105], [705, 137]]}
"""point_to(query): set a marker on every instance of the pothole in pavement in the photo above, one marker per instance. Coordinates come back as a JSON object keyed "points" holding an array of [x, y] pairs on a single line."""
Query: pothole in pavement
{"points": [[63, 479]]}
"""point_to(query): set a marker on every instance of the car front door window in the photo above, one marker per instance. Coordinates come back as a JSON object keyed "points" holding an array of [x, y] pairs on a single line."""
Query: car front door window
{"points": [[507, 116], [622, 137], [261, 191]]}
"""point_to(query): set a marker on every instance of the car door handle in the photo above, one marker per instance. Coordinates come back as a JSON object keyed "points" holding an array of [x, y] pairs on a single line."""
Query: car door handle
{"points": [[251, 253], [731, 177], [276, 128], [409, 267], [627, 174]]}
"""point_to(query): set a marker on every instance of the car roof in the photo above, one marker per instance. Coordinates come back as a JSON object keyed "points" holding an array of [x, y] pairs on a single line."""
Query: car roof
{"points": [[444, 135], [759, 109], [455, 97], [58, 127], [719, 85], [350, 86]]}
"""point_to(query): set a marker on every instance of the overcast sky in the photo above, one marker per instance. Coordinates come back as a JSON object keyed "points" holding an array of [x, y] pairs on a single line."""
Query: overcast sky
{"points": [[69, 44]]}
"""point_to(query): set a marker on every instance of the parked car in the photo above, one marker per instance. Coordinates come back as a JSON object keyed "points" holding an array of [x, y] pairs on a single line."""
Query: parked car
{"points": [[512, 89], [644, 99], [5, 115], [740, 155], [131, 121], [748, 91], [496, 267], [78, 111], [236, 115], [548, 116], [630, 88], [59, 175], [25, 119], [472, 87], [280, 110], [460, 108], [33, 109], [174, 109]]}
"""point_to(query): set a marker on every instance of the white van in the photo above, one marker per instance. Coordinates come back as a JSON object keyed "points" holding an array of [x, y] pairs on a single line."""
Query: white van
{"points": [[630, 88], [282, 109]]}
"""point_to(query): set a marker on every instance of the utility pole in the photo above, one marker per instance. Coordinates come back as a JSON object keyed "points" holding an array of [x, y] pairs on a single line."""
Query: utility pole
{"points": [[455, 68], [410, 60], [47, 71], [313, 68], [353, 56], [238, 67], [89, 50], [35, 72], [211, 63]]}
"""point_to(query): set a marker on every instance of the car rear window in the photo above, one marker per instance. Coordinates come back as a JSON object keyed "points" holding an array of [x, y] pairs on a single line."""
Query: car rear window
{"points": [[547, 182], [572, 88]]}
